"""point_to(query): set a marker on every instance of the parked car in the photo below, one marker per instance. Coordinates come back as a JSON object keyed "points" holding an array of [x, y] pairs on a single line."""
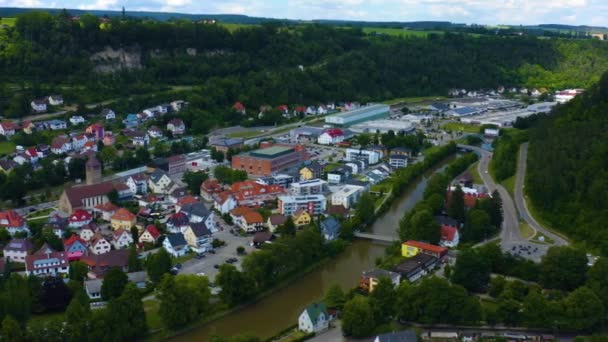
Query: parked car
{"points": [[178, 266], [199, 255], [212, 251], [216, 266]]}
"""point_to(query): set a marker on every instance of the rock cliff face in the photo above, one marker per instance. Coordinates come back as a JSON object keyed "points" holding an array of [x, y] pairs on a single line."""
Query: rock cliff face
{"points": [[110, 60]]}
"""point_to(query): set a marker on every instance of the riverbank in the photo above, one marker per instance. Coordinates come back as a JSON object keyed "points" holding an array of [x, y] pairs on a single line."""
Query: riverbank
{"points": [[297, 291]]}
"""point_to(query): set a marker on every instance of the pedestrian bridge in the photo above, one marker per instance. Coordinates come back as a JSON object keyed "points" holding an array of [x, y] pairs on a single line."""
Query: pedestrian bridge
{"points": [[382, 238]]}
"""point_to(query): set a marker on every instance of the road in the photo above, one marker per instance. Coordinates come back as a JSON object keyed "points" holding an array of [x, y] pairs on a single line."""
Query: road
{"points": [[511, 240], [520, 201]]}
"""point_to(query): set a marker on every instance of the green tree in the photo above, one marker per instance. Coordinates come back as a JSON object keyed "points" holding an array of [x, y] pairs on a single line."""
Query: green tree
{"points": [[194, 180], [456, 207], [471, 271], [382, 300], [563, 268], [15, 298], [365, 209], [113, 197], [158, 264], [358, 317], [477, 226], [497, 286], [135, 235], [419, 224], [11, 331], [77, 316], [134, 263], [78, 270], [334, 298], [509, 311], [126, 316], [597, 279], [535, 311], [183, 298], [287, 228], [583, 309], [114, 283], [237, 287]]}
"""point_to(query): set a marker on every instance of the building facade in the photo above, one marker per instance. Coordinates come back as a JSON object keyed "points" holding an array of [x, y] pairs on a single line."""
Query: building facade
{"points": [[266, 161], [313, 204]]}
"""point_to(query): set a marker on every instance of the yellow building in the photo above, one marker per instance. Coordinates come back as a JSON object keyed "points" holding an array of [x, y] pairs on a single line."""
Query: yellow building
{"points": [[122, 219], [301, 218], [306, 174], [411, 248]]}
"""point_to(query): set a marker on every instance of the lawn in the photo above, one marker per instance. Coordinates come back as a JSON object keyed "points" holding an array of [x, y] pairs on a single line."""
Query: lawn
{"points": [[475, 173], [233, 27], [244, 134], [43, 318], [152, 318], [545, 238], [509, 184], [385, 186], [457, 126], [7, 147], [525, 230], [331, 167], [8, 21], [413, 99], [395, 31], [183, 259]]}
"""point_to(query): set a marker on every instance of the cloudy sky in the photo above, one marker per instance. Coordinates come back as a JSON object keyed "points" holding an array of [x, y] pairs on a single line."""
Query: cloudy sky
{"points": [[580, 12]]}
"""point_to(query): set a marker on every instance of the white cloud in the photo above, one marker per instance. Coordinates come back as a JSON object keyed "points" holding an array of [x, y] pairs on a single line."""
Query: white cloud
{"points": [[101, 4]]}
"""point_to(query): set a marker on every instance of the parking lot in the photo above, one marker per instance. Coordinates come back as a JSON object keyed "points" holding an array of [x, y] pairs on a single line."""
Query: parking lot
{"points": [[527, 250], [207, 264]]}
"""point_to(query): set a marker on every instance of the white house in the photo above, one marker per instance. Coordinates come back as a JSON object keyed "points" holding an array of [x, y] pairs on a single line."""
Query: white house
{"points": [[314, 318], [176, 126], [155, 132], [175, 244], [159, 182], [373, 157], [224, 202], [99, 245], [79, 218], [331, 136], [108, 114], [76, 120], [38, 105], [88, 232], [8, 128], [55, 100], [150, 235], [13, 222], [122, 239], [347, 196], [17, 249], [138, 184], [56, 125], [197, 212]]}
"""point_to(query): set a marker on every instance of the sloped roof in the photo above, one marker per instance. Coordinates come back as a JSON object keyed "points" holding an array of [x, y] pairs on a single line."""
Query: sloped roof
{"points": [[277, 219], [77, 193], [18, 245], [315, 310], [426, 246], [198, 209], [448, 233], [330, 226], [176, 239], [153, 231], [123, 214], [13, 219], [200, 229]]}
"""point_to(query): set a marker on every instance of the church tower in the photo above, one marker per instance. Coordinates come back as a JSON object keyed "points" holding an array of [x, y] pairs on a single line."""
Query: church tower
{"points": [[93, 170]]}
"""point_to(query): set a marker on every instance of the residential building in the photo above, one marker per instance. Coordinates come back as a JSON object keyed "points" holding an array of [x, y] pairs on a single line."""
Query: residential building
{"points": [[138, 138], [301, 218], [266, 161], [58, 224], [55, 100], [398, 336], [347, 196], [314, 204], [281, 179], [96, 130], [247, 219], [308, 187], [8, 128], [416, 267], [274, 221], [13, 222], [28, 127], [261, 238], [6, 165], [122, 239], [330, 228], [79, 218], [178, 105], [337, 210], [131, 121], [198, 212], [106, 211], [39, 105], [150, 235], [155, 132], [108, 114], [314, 318], [109, 139], [449, 237], [411, 248], [250, 193], [99, 264], [339, 175], [176, 126], [314, 170], [198, 237], [209, 188], [99, 245], [56, 125], [17, 249], [225, 144], [88, 232], [471, 195], [184, 201], [122, 219], [138, 184], [47, 262], [331, 136], [76, 120], [369, 279], [85, 197], [178, 223], [176, 165], [373, 156], [61, 144], [224, 202], [358, 115], [160, 182], [75, 247], [357, 166], [176, 245], [397, 161], [401, 151]]}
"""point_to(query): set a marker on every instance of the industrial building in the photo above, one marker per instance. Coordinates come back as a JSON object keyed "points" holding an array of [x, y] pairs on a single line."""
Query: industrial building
{"points": [[266, 161], [507, 118], [383, 126], [356, 116]]}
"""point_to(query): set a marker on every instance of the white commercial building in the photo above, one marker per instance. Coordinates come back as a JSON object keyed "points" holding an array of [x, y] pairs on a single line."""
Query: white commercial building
{"points": [[313, 204], [309, 187], [383, 126], [373, 157], [362, 114], [347, 196]]}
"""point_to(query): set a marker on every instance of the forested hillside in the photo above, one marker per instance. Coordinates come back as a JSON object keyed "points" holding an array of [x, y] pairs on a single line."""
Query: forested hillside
{"points": [[271, 63], [568, 167]]}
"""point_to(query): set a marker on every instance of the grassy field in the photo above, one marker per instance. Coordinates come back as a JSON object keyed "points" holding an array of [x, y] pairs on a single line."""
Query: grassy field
{"points": [[244, 134], [8, 21], [403, 32], [413, 99], [475, 173], [509, 184], [525, 230], [233, 27], [152, 317], [545, 239], [7, 147], [462, 127]]}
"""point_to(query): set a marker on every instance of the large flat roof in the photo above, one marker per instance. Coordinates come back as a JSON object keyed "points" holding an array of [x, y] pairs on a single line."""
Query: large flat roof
{"points": [[362, 110], [271, 152]]}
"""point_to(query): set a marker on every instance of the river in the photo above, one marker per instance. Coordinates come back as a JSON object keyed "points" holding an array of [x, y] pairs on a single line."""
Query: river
{"points": [[281, 309]]}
